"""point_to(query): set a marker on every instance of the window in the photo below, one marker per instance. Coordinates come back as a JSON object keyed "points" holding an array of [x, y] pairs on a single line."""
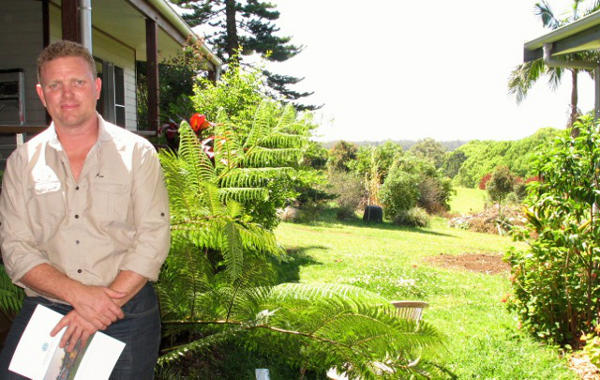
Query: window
{"points": [[119, 87], [111, 104]]}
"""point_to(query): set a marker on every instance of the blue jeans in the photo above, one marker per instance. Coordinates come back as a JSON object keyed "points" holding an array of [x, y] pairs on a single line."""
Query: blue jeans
{"points": [[140, 330]]}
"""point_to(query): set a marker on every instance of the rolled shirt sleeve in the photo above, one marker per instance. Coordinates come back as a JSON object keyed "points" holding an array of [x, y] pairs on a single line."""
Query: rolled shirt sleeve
{"points": [[20, 251], [151, 216]]}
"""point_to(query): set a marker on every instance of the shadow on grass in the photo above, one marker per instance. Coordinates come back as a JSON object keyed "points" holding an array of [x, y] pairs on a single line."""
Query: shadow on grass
{"points": [[289, 270], [327, 219]]}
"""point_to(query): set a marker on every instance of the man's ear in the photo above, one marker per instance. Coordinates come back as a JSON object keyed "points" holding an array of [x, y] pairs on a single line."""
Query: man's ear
{"points": [[40, 92], [98, 88]]}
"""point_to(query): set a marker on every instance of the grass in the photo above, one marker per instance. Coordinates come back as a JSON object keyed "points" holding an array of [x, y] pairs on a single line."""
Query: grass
{"points": [[467, 200], [483, 341]]}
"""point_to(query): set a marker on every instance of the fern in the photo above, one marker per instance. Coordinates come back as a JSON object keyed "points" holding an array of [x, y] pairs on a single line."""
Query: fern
{"points": [[216, 283], [11, 296]]}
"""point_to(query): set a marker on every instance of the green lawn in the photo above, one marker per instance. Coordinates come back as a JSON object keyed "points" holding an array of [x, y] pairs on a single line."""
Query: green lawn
{"points": [[467, 200], [483, 341]]}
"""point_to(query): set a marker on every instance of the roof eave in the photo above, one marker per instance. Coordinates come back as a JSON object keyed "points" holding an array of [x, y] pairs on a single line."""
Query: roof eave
{"points": [[583, 34], [182, 27]]}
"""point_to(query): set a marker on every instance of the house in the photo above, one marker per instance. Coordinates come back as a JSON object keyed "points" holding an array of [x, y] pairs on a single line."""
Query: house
{"points": [[118, 32], [578, 36]]}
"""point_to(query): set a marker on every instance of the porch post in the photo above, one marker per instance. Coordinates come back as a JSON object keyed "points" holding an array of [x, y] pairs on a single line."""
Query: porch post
{"points": [[152, 74], [597, 92], [70, 20]]}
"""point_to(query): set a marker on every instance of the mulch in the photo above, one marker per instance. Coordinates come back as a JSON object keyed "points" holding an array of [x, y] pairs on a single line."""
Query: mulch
{"points": [[476, 262]]}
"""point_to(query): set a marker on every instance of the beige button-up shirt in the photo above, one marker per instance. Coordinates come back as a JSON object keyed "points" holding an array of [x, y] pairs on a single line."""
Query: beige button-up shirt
{"points": [[116, 217]]}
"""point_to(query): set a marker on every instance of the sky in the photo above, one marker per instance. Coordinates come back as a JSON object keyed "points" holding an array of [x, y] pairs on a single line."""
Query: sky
{"points": [[408, 70]]}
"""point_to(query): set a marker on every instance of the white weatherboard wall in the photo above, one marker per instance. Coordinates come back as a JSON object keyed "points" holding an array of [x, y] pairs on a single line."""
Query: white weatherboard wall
{"points": [[108, 49]]}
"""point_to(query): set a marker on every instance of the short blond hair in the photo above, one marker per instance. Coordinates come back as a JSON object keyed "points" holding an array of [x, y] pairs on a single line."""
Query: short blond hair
{"points": [[61, 49]]}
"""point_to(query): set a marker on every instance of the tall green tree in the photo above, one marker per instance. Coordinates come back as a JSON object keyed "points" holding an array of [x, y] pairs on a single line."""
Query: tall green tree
{"points": [[248, 26], [526, 74], [430, 149]]}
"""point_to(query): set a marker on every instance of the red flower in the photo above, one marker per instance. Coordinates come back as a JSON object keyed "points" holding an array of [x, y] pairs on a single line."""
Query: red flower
{"points": [[197, 121]]}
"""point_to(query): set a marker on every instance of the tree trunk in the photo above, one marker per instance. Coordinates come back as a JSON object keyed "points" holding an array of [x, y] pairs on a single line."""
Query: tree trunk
{"points": [[232, 37], [574, 101]]}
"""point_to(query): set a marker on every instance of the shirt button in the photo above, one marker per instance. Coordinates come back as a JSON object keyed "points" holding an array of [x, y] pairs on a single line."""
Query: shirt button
{"points": [[76, 187], [162, 214], [79, 271], [76, 216], [76, 241]]}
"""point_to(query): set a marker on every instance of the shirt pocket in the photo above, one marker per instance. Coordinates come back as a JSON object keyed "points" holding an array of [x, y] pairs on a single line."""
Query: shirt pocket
{"points": [[46, 207], [111, 201]]}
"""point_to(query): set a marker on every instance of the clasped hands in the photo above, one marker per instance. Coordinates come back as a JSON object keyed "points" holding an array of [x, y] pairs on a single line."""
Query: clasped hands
{"points": [[94, 308]]}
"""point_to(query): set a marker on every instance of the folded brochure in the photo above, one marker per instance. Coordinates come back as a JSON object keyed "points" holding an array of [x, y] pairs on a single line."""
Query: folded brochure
{"points": [[39, 357]]}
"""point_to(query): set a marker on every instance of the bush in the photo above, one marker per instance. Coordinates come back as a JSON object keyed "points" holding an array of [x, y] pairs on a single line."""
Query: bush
{"points": [[414, 181], [500, 184], [415, 217], [399, 192], [520, 190], [349, 191], [434, 195], [555, 280]]}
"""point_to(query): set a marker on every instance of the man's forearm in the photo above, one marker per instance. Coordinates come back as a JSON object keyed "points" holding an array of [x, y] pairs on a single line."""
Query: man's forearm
{"points": [[48, 281], [129, 283]]}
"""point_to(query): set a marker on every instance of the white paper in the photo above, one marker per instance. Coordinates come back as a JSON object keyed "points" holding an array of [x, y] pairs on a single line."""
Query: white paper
{"points": [[38, 356]]}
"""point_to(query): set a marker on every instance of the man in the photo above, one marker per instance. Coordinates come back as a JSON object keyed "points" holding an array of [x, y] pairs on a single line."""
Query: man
{"points": [[84, 222]]}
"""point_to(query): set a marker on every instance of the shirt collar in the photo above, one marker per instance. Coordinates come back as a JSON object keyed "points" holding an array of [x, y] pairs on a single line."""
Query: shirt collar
{"points": [[103, 134]]}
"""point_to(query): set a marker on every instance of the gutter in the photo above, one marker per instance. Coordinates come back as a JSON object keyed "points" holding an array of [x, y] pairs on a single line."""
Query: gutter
{"points": [[575, 27], [85, 19], [185, 30]]}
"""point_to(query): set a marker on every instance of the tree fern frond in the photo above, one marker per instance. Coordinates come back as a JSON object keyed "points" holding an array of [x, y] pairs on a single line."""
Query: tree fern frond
{"points": [[241, 194], [319, 291], [287, 118], [11, 296], [282, 140], [252, 177], [200, 168], [260, 125], [271, 157], [232, 252]]}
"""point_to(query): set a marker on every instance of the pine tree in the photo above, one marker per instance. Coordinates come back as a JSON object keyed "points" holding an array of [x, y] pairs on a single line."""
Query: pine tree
{"points": [[248, 25]]}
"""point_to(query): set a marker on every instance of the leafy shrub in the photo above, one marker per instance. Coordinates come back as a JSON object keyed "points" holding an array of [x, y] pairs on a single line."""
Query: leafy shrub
{"points": [[520, 190], [500, 184], [434, 194], [349, 191], [399, 192], [415, 217], [555, 281], [342, 155], [414, 181], [592, 346]]}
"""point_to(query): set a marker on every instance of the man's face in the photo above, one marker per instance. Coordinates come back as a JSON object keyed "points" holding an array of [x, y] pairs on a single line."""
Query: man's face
{"points": [[69, 91]]}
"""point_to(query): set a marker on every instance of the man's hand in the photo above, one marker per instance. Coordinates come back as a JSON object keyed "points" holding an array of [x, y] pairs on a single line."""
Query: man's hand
{"points": [[97, 305], [78, 329]]}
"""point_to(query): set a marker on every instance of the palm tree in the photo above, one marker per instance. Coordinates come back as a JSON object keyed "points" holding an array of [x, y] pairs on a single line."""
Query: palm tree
{"points": [[526, 74]]}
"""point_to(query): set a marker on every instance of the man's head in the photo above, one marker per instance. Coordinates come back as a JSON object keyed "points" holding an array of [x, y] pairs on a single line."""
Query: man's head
{"points": [[64, 49], [68, 85]]}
